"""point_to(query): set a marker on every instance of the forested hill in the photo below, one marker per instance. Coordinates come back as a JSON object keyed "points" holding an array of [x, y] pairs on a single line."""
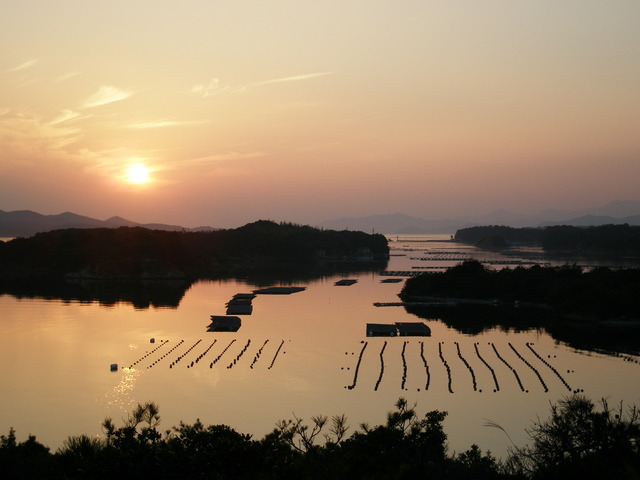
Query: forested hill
{"points": [[140, 252], [617, 239]]}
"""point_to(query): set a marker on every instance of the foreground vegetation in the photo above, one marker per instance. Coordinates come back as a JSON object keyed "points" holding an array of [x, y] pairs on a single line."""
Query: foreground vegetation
{"points": [[578, 440], [136, 252]]}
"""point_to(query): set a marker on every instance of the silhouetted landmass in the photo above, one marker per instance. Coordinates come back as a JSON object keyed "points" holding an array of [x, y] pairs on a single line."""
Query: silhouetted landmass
{"points": [[615, 239], [610, 239], [512, 235], [140, 253], [20, 223], [600, 293], [578, 441], [597, 309]]}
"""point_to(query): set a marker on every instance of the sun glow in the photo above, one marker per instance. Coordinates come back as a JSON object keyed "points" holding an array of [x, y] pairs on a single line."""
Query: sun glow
{"points": [[138, 173]]}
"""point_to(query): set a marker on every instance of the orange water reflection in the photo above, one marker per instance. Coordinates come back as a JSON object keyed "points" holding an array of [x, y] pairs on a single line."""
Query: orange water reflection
{"points": [[295, 354]]}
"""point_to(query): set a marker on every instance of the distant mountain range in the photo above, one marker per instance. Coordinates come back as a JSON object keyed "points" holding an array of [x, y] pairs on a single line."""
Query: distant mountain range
{"points": [[399, 224], [24, 223]]}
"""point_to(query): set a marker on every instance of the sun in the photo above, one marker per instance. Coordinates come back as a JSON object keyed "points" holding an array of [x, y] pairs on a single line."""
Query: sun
{"points": [[138, 173]]}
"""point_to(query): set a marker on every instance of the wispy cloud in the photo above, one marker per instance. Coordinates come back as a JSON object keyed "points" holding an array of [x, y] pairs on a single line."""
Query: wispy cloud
{"points": [[222, 157], [64, 116], [25, 136], [24, 65], [294, 78], [106, 94], [67, 76], [214, 88], [163, 123]]}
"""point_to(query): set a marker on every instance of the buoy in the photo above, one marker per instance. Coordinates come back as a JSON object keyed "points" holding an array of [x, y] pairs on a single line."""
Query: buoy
{"points": [[113, 367]]}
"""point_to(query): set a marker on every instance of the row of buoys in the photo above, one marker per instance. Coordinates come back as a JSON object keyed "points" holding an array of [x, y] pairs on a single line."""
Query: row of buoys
{"points": [[509, 367], [201, 356], [535, 370], [384, 345], [180, 357], [446, 365], [464, 360], [404, 366], [529, 346], [162, 344], [215, 360], [355, 374], [174, 347], [627, 358], [255, 359], [426, 366], [493, 373], [162, 357], [240, 354], [276, 355]]}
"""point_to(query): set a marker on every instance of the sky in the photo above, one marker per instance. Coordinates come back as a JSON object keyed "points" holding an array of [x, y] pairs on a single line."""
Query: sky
{"points": [[224, 112]]}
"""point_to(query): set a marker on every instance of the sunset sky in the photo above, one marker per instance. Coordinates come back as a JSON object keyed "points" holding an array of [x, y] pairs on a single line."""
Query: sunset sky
{"points": [[304, 111]]}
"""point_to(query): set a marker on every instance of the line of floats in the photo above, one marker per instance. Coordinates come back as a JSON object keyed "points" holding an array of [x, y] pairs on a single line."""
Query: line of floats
{"points": [[156, 356], [425, 374]]}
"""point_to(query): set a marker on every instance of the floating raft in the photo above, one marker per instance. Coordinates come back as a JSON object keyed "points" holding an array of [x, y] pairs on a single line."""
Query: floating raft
{"points": [[381, 330], [413, 329], [240, 304], [391, 280], [239, 309], [398, 329], [345, 282], [278, 290], [221, 323], [243, 296]]}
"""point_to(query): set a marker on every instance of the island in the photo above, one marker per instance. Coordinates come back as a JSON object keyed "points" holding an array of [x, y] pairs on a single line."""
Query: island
{"points": [[598, 306]]}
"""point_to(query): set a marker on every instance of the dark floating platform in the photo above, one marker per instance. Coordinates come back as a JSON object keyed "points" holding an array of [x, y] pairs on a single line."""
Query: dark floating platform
{"points": [[240, 304], [221, 323], [239, 309], [398, 329], [278, 290], [392, 280], [243, 296], [345, 282]]}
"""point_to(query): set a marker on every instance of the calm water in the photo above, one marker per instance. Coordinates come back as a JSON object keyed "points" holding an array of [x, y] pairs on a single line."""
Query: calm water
{"points": [[55, 357]]}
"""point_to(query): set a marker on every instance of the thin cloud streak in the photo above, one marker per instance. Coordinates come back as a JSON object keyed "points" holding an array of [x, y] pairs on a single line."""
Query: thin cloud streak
{"points": [[214, 87], [294, 78], [64, 116], [221, 157], [163, 123], [67, 76], [24, 65], [105, 95]]}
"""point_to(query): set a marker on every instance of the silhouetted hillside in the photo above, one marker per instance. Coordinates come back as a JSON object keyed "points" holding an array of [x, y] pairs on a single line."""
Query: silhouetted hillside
{"points": [[24, 223], [135, 252], [611, 239], [600, 293]]}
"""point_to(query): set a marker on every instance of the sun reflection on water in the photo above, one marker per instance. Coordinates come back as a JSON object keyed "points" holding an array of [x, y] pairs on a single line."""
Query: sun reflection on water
{"points": [[121, 396]]}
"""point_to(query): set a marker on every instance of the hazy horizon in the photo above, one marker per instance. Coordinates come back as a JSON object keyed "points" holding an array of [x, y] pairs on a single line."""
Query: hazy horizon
{"points": [[222, 113]]}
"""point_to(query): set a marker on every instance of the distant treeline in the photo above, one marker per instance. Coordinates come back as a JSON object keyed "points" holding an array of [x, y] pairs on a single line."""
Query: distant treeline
{"points": [[614, 239], [600, 293], [139, 252], [578, 441]]}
